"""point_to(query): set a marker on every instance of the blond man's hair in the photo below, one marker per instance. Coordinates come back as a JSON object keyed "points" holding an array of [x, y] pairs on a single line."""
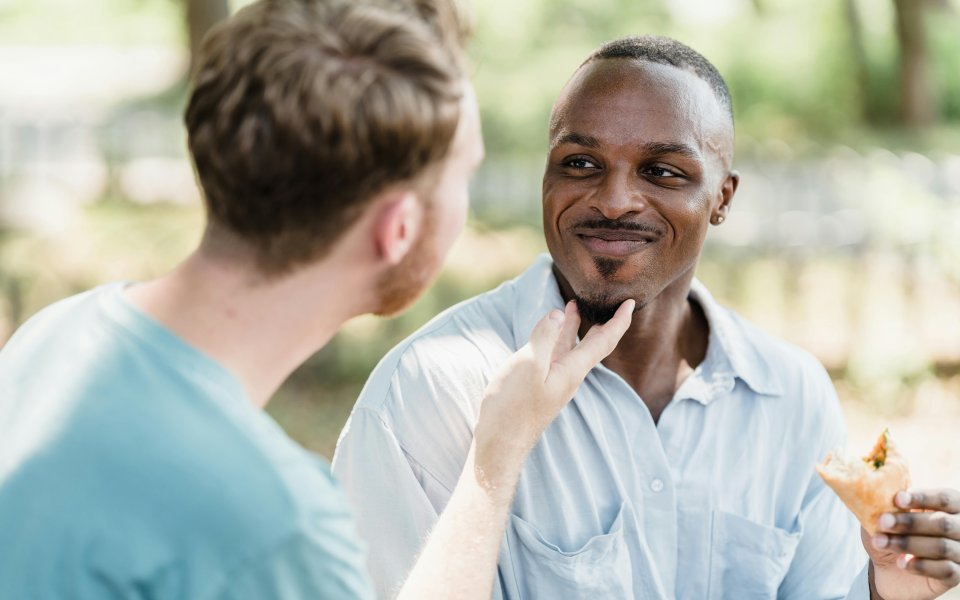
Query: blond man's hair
{"points": [[301, 111]]}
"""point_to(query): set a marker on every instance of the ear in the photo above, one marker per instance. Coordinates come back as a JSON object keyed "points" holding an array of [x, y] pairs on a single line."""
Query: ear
{"points": [[727, 190], [397, 225]]}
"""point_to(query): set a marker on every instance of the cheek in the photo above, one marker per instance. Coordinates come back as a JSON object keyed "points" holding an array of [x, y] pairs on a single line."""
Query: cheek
{"points": [[453, 219], [554, 211], [552, 223], [691, 226]]}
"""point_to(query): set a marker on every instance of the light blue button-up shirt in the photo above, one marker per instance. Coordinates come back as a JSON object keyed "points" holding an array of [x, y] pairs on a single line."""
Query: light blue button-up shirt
{"points": [[719, 499]]}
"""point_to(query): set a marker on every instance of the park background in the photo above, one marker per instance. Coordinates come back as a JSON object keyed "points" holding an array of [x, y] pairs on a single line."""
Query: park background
{"points": [[844, 236]]}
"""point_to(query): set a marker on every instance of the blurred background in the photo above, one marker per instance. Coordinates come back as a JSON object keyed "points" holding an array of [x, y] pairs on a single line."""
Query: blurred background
{"points": [[844, 237]]}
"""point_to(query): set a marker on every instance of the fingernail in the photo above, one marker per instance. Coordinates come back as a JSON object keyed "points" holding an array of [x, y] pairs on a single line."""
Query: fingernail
{"points": [[880, 541], [556, 316], [886, 521], [902, 560], [903, 499]]}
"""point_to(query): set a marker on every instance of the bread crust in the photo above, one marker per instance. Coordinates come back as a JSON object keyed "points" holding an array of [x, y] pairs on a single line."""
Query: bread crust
{"points": [[864, 487]]}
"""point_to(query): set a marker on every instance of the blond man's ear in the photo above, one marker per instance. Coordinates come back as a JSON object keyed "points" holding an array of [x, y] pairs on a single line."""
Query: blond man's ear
{"points": [[398, 223]]}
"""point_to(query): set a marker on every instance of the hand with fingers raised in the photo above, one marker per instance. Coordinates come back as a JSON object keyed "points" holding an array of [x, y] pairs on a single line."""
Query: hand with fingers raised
{"points": [[916, 554], [460, 557], [539, 380]]}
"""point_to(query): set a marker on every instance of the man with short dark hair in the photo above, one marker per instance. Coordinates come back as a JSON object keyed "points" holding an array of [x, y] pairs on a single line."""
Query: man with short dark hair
{"points": [[684, 467], [334, 141]]}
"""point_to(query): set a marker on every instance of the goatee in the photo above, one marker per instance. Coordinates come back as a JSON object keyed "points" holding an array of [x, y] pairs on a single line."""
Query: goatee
{"points": [[607, 267], [599, 309]]}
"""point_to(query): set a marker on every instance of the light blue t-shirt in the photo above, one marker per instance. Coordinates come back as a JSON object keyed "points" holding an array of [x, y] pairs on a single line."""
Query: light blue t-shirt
{"points": [[134, 466]]}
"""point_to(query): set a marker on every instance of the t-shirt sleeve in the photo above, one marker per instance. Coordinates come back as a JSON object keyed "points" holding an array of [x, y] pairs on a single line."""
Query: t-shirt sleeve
{"points": [[321, 560]]}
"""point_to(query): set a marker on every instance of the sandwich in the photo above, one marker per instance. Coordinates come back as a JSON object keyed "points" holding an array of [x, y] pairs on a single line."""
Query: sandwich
{"points": [[868, 485]]}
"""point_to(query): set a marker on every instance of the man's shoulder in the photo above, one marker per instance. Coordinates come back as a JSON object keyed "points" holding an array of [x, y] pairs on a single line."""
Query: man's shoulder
{"points": [[198, 492], [775, 350], [49, 321], [248, 488], [778, 368]]}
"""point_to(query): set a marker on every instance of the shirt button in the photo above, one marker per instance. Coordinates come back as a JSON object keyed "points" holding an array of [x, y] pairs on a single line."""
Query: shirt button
{"points": [[656, 485]]}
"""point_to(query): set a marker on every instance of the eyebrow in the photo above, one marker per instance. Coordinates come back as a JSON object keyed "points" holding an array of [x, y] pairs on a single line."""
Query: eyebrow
{"points": [[571, 137], [662, 148], [652, 148]]}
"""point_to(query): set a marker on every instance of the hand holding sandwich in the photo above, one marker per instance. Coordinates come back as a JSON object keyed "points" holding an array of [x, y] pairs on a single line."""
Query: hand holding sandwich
{"points": [[916, 553], [912, 536]]}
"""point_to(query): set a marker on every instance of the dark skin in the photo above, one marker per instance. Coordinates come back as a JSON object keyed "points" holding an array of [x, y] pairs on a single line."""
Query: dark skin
{"points": [[638, 169], [916, 554], [626, 209]]}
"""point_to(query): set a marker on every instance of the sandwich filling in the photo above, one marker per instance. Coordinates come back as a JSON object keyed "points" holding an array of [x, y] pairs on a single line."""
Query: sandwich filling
{"points": [[878, 456], [868, 485]]}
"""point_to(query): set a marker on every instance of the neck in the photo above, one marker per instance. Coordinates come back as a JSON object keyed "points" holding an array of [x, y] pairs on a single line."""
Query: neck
{"points": [[260, 329], [666, 341]]}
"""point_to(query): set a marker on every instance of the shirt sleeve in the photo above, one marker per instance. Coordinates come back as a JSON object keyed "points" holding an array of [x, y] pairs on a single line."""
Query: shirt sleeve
{"points": [[394, 514], [860, 590], [320, 560], [830, 553]]}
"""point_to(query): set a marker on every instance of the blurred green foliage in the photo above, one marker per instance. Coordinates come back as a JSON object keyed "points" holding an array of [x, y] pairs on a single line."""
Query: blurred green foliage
{"points": [[800, 89], [107, 22], [790, 64]]}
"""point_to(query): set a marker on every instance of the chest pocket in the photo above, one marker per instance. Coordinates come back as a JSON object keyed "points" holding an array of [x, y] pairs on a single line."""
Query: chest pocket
{"points": [[748, 560], [599, 569]]}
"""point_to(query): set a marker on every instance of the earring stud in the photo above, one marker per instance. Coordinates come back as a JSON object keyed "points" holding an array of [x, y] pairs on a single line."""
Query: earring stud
{"points": [[718, 220]]}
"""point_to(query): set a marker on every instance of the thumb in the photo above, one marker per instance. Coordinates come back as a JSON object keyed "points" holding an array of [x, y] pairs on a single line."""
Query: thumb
{"points": [[544, 337], [596, 345]]}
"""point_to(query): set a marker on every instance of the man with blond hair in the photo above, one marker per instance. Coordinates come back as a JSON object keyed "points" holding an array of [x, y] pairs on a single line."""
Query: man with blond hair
{"points": [[334, 141]]}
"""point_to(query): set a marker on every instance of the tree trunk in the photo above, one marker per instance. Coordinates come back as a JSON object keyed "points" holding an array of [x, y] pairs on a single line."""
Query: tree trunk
{"points": [[861, 64], [918, 99], [201, 16]]}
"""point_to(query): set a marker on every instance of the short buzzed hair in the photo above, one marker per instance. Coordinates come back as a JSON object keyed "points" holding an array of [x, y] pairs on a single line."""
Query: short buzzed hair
{"points": [[302, 111], [668, 51]]}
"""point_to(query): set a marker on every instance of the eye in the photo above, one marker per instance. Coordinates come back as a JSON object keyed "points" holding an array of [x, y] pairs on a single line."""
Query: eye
{"points": [[659, 172], [579, 163]]}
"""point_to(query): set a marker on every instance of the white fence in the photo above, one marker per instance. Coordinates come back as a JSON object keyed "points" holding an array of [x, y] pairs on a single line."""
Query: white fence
{"points": [[840, 200]]}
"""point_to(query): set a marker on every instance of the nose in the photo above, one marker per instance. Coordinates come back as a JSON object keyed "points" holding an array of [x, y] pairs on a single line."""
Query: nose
{"points": [[618, 195]]}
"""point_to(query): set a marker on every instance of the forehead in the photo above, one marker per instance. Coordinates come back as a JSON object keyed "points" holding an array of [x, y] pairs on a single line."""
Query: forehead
{"points": [[628, 98]]}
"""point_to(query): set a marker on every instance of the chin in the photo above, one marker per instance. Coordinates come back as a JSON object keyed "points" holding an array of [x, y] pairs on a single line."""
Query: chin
{"points": [[598, 296], [393, 309], [398, 297], [403, 286], [598, 303]]}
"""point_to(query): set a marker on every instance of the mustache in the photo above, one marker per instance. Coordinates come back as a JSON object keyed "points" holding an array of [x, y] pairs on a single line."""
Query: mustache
{"points": [[614, 224]]}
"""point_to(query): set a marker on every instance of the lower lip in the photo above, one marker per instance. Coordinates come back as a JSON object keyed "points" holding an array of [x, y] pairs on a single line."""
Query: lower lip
{"points": [[614, 247]]}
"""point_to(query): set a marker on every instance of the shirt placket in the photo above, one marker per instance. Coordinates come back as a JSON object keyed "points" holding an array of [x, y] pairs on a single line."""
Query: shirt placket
{"points": [[653, 495]]}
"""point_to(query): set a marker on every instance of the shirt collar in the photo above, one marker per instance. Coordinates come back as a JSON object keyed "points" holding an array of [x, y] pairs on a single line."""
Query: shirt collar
{"points": [[730, 351], [730, 354], [536, 292]]}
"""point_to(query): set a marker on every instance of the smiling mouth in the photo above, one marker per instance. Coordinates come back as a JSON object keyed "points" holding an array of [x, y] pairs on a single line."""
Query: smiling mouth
{"points": [[616, 242]]}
